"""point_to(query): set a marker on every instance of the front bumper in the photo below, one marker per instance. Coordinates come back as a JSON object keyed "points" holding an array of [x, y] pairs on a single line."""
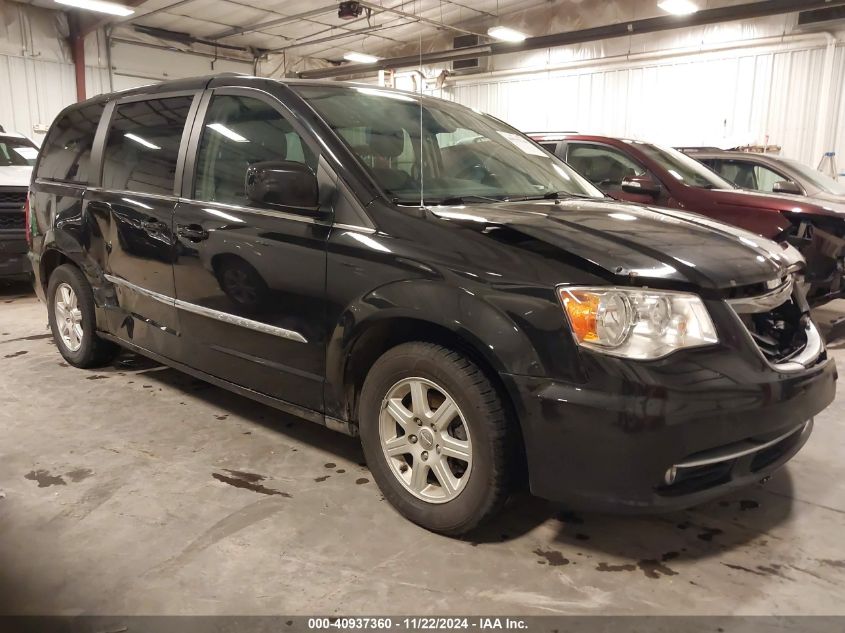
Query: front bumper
{"points": [[14, 263], [825, 269], [611, 443]]}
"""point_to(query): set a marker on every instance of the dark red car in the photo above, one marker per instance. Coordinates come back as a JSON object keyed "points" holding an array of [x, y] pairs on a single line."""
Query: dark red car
{"points": [[662, 176]]}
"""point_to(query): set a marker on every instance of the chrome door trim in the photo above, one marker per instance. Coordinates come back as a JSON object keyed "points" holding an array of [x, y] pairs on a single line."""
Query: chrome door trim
{"points": [[282, 215], [168, 197], [233, 319], [120, 281], [225, 317], [353, 227]]}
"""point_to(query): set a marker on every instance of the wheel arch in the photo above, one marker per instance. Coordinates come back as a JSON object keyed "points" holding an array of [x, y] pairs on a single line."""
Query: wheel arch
{"points": [[382, 335]]}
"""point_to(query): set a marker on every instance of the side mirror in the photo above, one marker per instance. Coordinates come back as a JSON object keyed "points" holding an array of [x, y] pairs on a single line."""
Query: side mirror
{"points": [[787, 186], [281, 183], [640, 184]]}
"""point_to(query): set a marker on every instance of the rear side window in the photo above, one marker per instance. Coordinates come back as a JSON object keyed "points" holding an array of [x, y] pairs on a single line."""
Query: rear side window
{"points": [[143, 145], [66, 154]]}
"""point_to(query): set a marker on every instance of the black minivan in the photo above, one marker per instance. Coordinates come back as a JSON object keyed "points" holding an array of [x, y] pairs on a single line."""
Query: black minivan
{"points": [[410, 271]]}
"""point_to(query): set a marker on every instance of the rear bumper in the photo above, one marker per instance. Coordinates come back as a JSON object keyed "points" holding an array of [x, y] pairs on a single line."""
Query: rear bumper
{"points": [[668, 437], [14, 263]]}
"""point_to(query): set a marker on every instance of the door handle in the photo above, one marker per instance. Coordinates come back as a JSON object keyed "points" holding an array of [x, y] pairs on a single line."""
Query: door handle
{"points": [[98, 206], [153, 226], [191, 232]]}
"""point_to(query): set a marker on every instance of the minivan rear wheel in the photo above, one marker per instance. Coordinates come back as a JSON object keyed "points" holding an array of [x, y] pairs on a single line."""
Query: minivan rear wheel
{"points": [[73, 321], [435, 435]]}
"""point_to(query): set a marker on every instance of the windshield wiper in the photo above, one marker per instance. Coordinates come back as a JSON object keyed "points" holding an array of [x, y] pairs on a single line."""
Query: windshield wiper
{"points": [[552, 195], [462, 200]]}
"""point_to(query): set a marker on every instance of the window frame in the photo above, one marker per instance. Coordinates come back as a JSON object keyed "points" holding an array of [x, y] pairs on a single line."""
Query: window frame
{"points": [[106, 120], [93, 166], [189, 174]]}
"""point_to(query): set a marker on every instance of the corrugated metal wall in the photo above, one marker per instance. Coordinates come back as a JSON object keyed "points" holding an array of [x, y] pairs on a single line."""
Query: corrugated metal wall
{"points": [[36, 79], [728, 97], [644, 87], [37, 75]]}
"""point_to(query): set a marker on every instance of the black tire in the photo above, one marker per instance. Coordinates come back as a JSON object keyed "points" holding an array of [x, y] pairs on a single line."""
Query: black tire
{"points": [[488, 486], [93, 351]]}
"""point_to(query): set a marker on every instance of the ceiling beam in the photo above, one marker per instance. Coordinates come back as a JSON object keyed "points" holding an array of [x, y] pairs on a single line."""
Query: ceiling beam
{"points": [[750, 10], [377, 8], [331, 38], [240, 30]]}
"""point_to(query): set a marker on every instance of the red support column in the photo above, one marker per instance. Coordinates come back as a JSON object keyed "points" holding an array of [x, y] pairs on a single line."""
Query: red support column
{"points": [[77, 51]]}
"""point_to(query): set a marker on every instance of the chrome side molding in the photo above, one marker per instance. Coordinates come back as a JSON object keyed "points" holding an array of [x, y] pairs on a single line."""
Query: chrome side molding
{"points": [[225, 317]]}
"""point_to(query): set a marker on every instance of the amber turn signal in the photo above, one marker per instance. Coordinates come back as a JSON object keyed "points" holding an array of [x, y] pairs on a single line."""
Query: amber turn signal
{"points": [[581, 307]]}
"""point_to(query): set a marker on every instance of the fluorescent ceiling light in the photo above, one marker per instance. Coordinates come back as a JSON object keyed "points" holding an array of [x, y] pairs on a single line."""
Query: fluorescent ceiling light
{"points": [[678, 7], [505, 34], [229, 134], [141, 141], [361, 58], [112, 8]]}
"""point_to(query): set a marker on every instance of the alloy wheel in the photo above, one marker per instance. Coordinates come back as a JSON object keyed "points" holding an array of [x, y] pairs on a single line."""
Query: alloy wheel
{"points": [[425, 439], [68, 317]]}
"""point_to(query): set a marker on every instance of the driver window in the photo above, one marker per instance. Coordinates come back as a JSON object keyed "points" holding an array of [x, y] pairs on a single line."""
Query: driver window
{"points": [[238, 132], [605, 167], [766, 178]]}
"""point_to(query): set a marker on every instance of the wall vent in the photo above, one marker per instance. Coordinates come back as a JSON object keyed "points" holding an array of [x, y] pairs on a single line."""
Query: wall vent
{"points": [[820, 17], [472, 65]]}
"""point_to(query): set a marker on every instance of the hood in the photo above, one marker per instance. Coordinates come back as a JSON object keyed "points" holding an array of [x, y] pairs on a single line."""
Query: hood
{"points": [[635, 242], [835, 202], [777, 201], [15, 176]]}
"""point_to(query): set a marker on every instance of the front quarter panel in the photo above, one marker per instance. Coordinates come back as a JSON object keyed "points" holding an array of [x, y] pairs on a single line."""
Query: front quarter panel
{"points": [[375, 280]]}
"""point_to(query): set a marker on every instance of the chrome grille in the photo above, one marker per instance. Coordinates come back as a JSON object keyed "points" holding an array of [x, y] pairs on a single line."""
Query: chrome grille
{"points": [[783, 332]]}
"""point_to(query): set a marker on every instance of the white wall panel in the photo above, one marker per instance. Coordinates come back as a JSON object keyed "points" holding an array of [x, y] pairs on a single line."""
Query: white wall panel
{"points": [[37, 77], [38, 90], [729, 97]]}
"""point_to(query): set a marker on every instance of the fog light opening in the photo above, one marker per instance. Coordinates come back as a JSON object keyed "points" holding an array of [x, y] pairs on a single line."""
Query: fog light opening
{"points": [[670, 475]]}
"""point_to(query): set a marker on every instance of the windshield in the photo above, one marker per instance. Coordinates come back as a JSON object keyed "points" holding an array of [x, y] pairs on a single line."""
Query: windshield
{"points": [[817, 178], [17, 151], [688, 170], [460, 154]]}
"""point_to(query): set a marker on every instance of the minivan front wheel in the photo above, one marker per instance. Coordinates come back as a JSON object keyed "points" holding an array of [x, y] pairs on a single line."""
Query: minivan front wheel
{"points": [[435, 436], [73, 321]]}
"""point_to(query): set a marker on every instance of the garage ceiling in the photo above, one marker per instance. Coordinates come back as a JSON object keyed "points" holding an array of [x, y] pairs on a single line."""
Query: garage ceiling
{"points": [[312, 28]]}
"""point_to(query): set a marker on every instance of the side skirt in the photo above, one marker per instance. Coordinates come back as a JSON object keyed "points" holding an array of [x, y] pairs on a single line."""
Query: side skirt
{"points": [[341, 426]]}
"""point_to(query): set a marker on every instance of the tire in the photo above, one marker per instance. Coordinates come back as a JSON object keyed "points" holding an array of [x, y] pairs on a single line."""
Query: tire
{"points": [[83, 350], [479, 486]]}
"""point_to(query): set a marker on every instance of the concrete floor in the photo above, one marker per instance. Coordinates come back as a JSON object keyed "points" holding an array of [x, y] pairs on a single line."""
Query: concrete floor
{"points": [[132, 490]]}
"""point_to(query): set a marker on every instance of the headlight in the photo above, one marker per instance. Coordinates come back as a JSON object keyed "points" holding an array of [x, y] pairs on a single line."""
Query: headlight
{"points": [[635, 322]]}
